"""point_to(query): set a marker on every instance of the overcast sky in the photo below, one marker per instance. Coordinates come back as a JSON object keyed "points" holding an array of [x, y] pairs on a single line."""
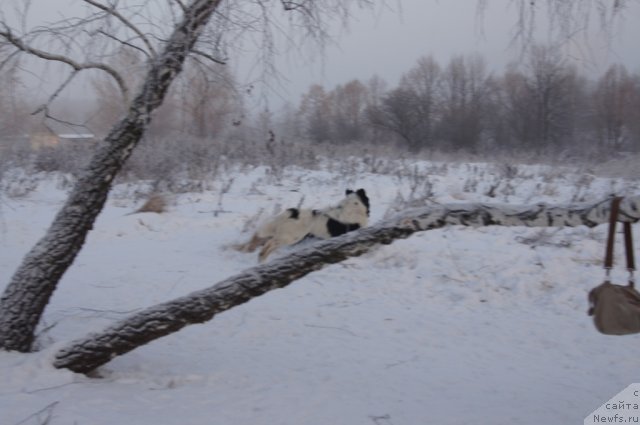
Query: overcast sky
{"points": [[387, 41]]}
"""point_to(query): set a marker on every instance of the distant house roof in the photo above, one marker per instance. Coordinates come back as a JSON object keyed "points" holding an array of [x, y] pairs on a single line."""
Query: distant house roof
{"points": [[42, 139], [76, 136]]}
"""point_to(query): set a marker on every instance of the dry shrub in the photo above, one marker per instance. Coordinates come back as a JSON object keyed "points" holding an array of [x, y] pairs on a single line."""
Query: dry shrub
{"points": [[155, 204]]}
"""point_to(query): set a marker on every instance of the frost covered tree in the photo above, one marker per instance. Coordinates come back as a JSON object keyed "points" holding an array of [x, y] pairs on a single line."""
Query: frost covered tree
{"points": [[32, 285], [12, 105], [349, 102], [200, 27], [399, 112], [207, 100], [109, 98], [613, 108], [411, 111], [540, 101], [315, 109], [118, 23], [466, 93]]}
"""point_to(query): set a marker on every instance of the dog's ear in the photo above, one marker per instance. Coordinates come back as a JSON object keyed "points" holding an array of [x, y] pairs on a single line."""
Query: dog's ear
{"points": [[348, 192], [364, 198]]}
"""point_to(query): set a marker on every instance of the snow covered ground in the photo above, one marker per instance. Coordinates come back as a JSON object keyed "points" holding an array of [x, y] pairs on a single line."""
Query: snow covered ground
{"points": [[454, 326]]}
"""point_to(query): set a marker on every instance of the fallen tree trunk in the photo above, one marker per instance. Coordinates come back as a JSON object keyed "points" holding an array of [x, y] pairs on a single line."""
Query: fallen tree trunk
{"points": [[97, 349]]}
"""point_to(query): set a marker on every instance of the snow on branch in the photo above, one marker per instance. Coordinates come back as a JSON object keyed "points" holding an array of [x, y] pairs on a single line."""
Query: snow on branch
{"points": [[86, 354]]}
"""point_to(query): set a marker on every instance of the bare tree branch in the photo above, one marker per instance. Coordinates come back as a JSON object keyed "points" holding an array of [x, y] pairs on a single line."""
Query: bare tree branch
{"points": [[16, 42], [292, 5], [208, 56], [179, 3], [114, 12], [86, 354], [44, 107], [124, 43]]}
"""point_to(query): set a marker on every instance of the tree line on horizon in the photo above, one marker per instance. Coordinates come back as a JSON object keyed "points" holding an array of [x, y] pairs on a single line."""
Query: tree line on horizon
{"points": [[542, 104]]}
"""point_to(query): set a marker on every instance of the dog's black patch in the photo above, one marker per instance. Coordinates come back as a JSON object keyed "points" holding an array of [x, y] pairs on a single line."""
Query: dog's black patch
{"points": [[315, 212], [294, 213], [364, 198], [308, 237], [337, 228]]}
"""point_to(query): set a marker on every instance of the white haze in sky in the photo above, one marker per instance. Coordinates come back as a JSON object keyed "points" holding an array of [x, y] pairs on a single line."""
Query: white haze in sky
{"points": [[388, 40]]}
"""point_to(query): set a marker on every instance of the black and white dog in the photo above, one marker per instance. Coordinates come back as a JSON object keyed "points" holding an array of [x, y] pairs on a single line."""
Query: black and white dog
{"points": [[294, 224]]}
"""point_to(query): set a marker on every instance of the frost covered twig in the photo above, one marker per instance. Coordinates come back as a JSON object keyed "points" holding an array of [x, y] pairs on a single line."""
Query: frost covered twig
{"points": [[95, 350]]}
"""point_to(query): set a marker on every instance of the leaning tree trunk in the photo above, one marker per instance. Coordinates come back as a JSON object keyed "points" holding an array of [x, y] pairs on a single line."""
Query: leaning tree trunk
{"points": [[95, 350], [31, 287]]}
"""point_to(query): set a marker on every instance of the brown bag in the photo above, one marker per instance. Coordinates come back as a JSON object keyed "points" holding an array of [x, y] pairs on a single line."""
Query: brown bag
{"points": [[616, 308]]}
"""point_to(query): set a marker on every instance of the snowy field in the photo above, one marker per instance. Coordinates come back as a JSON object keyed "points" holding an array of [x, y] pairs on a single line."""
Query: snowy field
{"points": [[453, 326]]}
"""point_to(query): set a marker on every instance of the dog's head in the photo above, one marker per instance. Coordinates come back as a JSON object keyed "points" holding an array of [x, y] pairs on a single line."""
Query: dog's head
{"points": [[354, 208], [361, 195]]}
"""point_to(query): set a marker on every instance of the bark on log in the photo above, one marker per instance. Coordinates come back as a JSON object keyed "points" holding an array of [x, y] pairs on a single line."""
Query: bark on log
{"points": [[32, 285], [97, 349]]}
